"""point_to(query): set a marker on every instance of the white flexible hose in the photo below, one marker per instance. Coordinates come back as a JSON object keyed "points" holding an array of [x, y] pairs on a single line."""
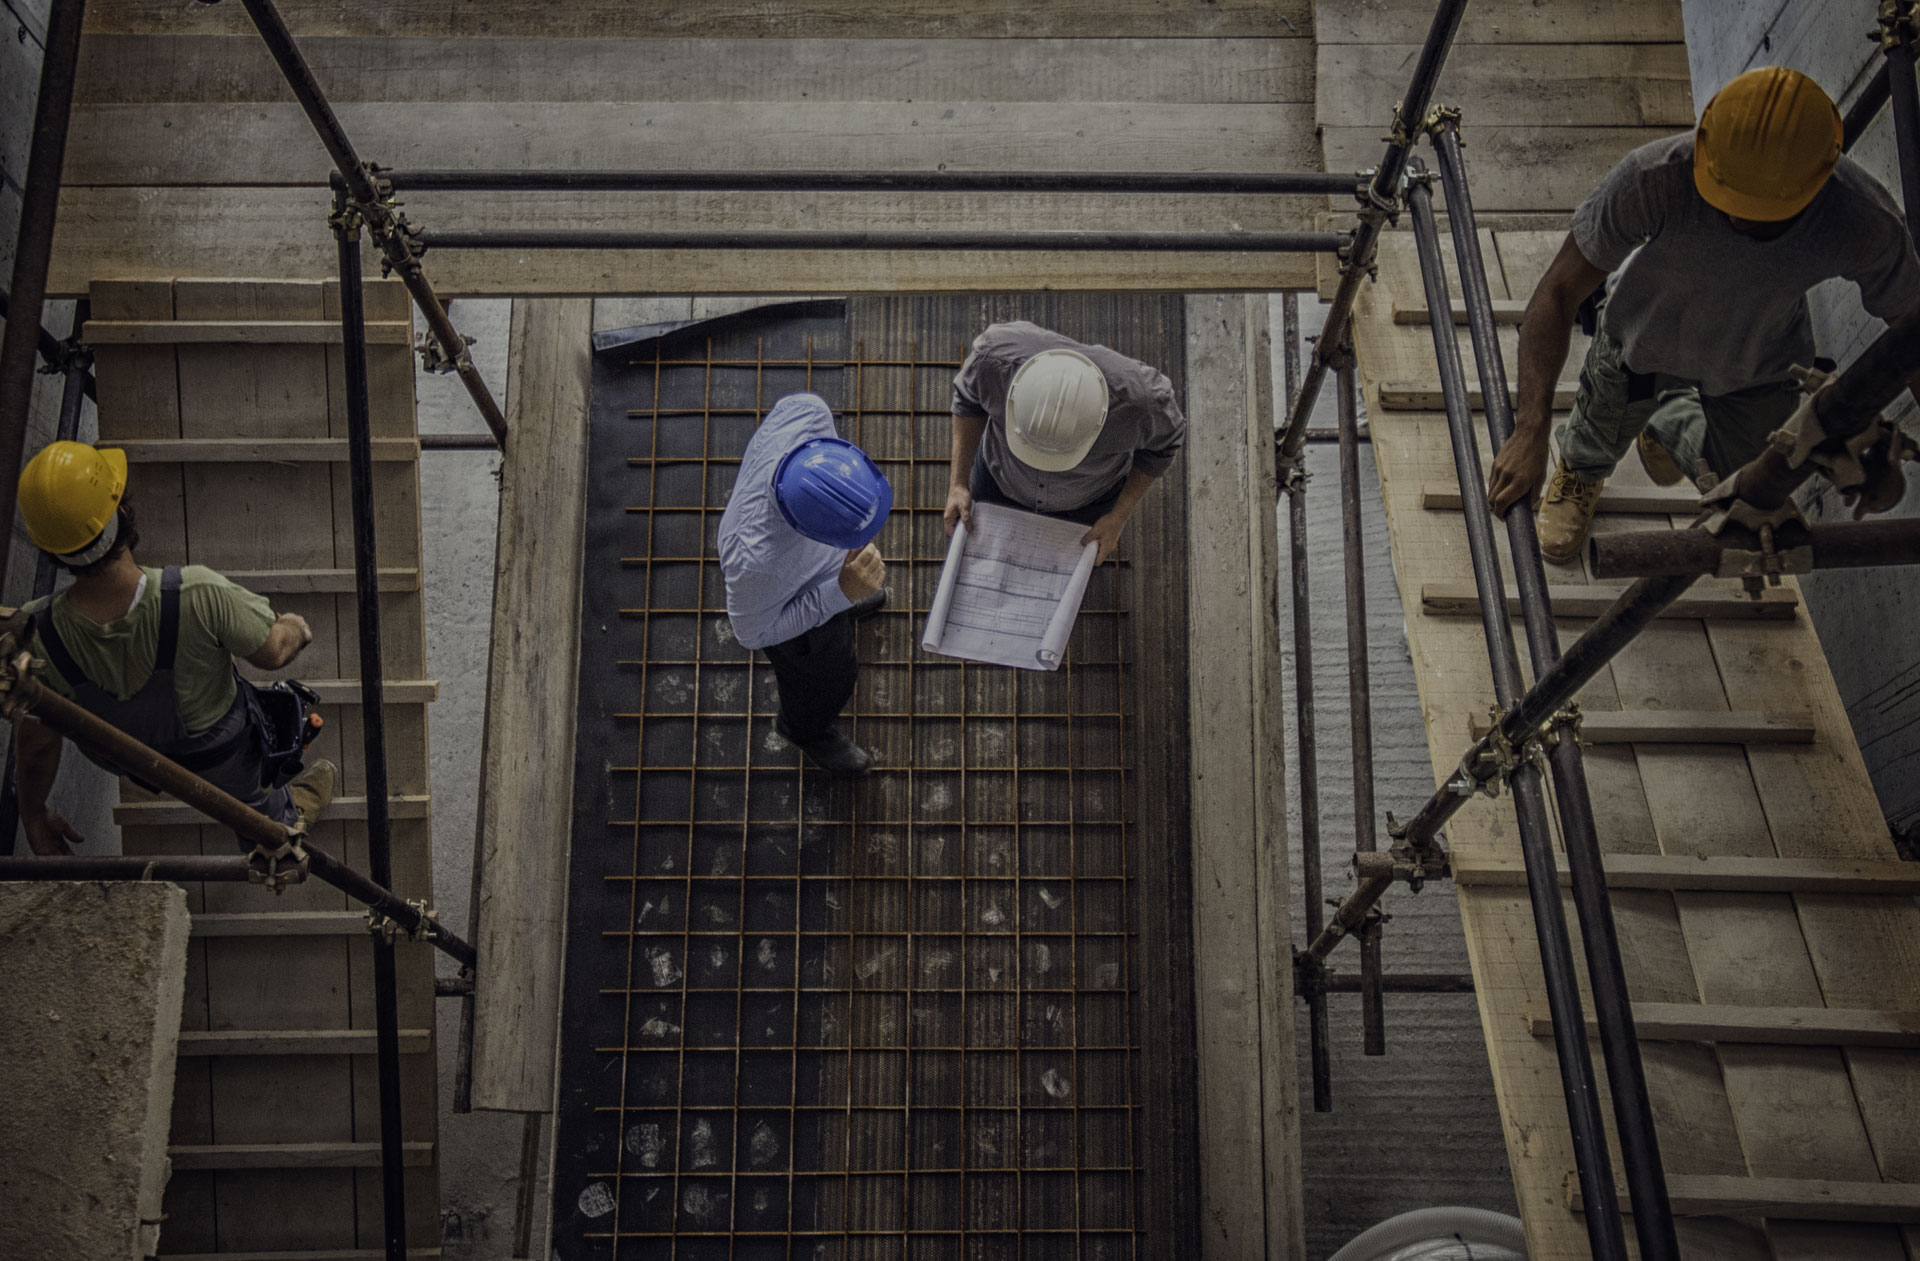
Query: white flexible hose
{"points": [[1440, 1234]]}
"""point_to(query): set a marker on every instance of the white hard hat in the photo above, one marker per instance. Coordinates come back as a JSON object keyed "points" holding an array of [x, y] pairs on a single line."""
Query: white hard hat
{"points": [[1055, 409]]}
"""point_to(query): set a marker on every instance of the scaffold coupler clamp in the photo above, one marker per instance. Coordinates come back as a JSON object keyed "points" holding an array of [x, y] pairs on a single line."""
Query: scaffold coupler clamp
{"points": [[426, 927], [1490, 762], [1439, 116], [277, 866], [1417, 864], [1899, 23], [1309, 974]]}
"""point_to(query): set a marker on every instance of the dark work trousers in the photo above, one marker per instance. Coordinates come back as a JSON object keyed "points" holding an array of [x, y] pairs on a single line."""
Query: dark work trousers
{"points": [[816, 672], [987, 491]]}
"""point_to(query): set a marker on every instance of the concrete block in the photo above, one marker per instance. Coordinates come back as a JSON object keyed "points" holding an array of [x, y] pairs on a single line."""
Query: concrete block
{"points": [[91, 980]]}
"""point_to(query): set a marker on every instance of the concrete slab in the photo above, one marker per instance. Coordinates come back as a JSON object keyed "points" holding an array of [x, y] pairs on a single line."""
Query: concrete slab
{"points": [[92, 978]]}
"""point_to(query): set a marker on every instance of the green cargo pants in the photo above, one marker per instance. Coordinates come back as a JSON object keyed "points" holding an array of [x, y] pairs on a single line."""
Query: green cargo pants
{"points": [[1704, 433]]}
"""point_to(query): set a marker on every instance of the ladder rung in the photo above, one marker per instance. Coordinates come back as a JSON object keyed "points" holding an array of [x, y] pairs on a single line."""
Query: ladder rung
{"points": [[1715, 1195], [279, 924], [290, 1155], [1461, 599], [260, 450], [137, 814], [1715, 875], [1683, 726], [238, 332], [1771, 1026], [1664, 501], [1505, 311], [198, 1042], [318, 581], [398, 691], [1425, 396]]}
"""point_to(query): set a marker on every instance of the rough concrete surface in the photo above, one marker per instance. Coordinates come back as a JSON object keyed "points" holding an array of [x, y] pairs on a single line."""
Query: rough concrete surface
{"points": [[92, 977], [1418, 1127], [1864, 617]]}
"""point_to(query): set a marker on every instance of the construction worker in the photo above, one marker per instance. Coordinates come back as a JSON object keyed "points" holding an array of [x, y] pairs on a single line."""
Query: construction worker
{"points": [[796, 549], [149, 650], [1048, 424], [1706, 244]]}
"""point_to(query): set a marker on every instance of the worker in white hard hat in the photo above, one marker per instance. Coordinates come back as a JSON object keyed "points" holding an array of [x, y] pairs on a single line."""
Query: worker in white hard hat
{"points": [[1692, 261], [1043, 422], [151, 651]]}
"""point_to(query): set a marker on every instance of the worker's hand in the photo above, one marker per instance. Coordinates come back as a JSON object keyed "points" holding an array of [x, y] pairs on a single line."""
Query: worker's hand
{"points": [[1105, 532], [1517, 472], [863, 573], [300, 624], [959, 508], [49, 834]]}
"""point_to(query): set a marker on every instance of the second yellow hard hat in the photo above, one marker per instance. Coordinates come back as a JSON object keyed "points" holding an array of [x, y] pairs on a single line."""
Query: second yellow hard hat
{"points": [[1766, 144], [69, 492]]}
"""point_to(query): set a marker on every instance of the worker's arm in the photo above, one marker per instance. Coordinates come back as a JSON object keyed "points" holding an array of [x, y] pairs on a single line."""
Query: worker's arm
{"points": [[289, 635], [966, 444], [1106, 531], [1545, 333], [38, 754]]}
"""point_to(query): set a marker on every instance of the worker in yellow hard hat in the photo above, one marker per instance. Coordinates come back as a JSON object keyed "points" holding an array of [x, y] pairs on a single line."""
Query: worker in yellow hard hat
{"points": [[151, 651], [1690, 265]]}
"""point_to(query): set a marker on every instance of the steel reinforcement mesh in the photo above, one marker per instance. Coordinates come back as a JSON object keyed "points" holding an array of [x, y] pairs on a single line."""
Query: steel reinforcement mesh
{"points": [[885, 1019]]}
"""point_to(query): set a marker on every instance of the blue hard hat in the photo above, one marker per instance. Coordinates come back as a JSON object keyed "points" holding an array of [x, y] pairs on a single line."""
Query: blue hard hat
{"points": [[830, 491]]}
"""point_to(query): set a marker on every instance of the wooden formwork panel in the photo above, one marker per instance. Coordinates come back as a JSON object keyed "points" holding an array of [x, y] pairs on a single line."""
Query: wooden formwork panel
{"points": [[287, 526]]}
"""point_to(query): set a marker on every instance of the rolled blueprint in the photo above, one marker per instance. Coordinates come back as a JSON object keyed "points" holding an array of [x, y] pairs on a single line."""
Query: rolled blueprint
{"points": [[943, 596], [1060, 626]]}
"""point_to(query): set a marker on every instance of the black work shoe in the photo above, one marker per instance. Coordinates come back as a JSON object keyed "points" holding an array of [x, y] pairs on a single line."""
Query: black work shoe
{"points": [[832, 752], [864, 609]]}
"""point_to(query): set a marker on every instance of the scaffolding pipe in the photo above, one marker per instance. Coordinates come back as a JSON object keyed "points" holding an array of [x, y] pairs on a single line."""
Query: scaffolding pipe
{"points": [[1905, 95], [1378, 204], [353, 325], [805, 239], [178, 868], [388, 229], [1306, 733], [64, 717], [1264, 183], [1619, 1042], [1404, 983], [1592, 1164], [1840, 545], [33, 249], [58, 354], [1373, 1033]]}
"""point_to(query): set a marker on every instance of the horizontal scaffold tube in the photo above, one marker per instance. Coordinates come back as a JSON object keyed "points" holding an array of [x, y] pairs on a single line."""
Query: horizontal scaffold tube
{"points": [[1837, 545], [1119, 242], [1269, 183]]}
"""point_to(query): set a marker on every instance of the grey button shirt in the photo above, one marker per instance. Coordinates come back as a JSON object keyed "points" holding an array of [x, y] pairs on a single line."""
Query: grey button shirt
{"points": [[1698, 300], [1144, 428]]}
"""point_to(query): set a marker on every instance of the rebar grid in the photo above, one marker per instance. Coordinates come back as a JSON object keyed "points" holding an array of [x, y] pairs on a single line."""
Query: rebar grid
{"points": [[890, 1019]]}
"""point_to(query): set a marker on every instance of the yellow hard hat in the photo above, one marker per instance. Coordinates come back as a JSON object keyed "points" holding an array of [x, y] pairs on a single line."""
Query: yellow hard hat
{"points": [[69, 496], [1766, 144]]}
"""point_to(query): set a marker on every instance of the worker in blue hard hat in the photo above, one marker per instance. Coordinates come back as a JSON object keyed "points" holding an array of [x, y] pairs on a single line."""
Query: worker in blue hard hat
{"points": [[796, 549]]}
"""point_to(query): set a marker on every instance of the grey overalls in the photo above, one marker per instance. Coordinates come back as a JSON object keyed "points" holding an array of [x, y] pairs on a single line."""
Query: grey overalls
{"points": [[230, 754]]}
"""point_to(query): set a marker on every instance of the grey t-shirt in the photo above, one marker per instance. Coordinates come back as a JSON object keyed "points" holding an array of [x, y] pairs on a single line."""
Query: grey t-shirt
{"points": [[1698, 300], [1144, 428]]}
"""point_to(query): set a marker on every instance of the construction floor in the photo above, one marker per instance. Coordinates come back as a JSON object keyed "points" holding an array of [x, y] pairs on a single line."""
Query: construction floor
{"points": [[888, 1019]]}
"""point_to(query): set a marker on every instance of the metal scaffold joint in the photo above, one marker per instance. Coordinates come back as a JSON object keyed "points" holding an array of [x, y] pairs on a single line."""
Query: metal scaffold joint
{"points": [[277, 866], [425, 926], [1439, 118], [1898, 23]]}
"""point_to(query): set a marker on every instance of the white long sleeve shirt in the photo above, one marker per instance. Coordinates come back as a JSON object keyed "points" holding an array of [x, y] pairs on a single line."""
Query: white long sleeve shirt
{"points": [[780, 583]]}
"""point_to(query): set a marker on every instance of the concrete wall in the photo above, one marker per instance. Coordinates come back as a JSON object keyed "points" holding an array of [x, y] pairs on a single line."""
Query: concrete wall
{"points": [[92, 977], [1865, 617]]}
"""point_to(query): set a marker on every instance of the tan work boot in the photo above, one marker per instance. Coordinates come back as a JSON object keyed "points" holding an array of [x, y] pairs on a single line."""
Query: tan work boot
{"points": [[312, 791], [1565, 513], [1657, 460]]}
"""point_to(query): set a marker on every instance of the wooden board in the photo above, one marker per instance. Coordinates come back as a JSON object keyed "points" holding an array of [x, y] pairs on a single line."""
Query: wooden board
{"points": [[728, 19], [155, 233], [1663, 501], [1502, 22], [1716, 874], [256, 332], [526, 799], [1815, 1198], [130, 69], [1513, 167], [184, 143], [1769, 1026], [1247, 1076], [1460, 599], [1543, 85]]}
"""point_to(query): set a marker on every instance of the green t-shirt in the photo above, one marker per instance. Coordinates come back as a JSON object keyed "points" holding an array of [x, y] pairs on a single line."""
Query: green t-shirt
{"points": [[219, 620]]}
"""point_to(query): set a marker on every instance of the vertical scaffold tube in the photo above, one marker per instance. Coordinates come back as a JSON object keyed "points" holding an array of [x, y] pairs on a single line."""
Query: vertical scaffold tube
{"points": [[1593, 1165]]}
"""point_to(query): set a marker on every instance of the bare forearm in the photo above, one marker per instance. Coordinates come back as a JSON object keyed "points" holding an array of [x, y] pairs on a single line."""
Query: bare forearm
{"points": [[967, 431], [1138, 483], [37, 767], [284, 642], [1545, 335]]}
